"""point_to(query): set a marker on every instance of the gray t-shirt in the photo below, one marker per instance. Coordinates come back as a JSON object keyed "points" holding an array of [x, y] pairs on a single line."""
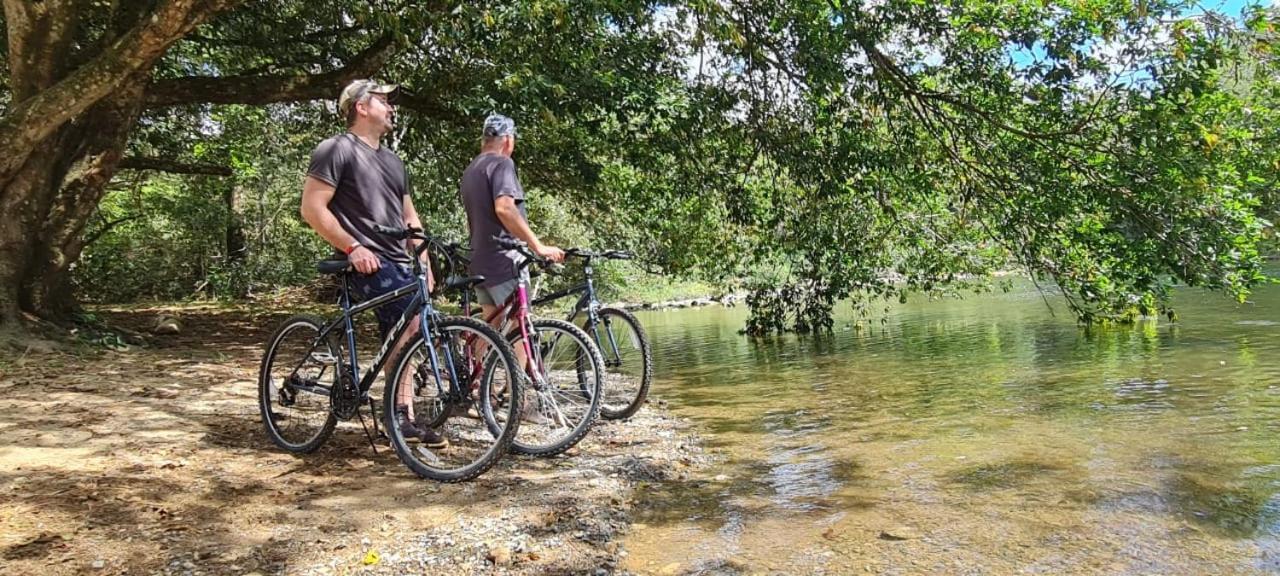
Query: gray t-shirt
{"points": [[369, 188], [489, 177]]}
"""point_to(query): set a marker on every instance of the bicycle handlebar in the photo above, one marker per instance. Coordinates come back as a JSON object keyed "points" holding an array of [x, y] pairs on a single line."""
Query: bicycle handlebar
{"points": [[449, 247], [399, 233], [523, 248], [608, 254]]}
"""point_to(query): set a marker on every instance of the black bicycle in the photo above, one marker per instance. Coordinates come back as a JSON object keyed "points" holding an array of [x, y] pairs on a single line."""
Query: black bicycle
{"points": [[624, 345], [460, 379]]}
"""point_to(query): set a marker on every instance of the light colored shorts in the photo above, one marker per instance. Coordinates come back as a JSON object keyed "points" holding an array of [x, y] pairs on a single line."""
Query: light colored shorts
{"points": [[498, 294]]}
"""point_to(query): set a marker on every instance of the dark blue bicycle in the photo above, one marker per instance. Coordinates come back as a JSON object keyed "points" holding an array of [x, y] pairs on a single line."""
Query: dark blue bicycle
{"points": [[460, 379]]}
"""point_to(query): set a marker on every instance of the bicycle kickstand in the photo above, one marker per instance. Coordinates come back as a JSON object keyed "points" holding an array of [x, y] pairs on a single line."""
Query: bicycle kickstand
{"points": [[373, 413]]}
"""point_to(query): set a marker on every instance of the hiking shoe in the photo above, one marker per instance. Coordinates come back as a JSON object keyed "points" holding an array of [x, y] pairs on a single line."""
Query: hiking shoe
{"points": [[531, 413], [429, 438]]}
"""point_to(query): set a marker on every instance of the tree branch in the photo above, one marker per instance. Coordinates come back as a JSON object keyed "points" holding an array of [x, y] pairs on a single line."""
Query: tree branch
{"points": [[40, 116], [173, 166], [106, 227], [269, 89], [302, 38]]}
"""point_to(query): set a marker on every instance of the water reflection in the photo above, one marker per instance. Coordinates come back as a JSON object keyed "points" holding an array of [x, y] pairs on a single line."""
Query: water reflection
{"points": [[974, 410]]}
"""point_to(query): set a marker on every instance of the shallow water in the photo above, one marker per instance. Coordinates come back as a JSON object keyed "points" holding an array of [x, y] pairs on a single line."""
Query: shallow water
{"points": [[983, 435]]}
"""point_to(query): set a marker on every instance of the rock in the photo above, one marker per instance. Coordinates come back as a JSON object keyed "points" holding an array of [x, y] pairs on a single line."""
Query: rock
{"points": [[670, 569], [99, 564], [721, 478], [166, 325], [500, 556], [898, 534]]}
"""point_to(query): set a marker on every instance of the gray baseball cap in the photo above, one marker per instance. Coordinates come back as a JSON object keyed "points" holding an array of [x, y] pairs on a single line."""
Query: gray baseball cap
{"points": [[497, 125], [357, 89]]}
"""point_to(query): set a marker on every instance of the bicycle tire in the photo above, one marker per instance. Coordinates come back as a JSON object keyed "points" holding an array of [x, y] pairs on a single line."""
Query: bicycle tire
{"points": [[629, 398], [470, 440], [267, 385], [526, 441]]}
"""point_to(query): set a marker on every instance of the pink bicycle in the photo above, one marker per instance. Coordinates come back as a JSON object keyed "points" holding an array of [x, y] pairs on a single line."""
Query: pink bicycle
{"points": [[562, 368]]}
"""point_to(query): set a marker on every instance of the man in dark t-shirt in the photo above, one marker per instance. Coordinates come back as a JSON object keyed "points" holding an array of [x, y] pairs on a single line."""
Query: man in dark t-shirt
{"points": [[494, 201], [353, 184]]}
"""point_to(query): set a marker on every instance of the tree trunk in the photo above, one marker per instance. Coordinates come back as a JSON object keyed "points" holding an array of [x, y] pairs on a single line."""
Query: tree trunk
{"points": [[24, 202], [237, 248], [62, 138], [101, 137]]}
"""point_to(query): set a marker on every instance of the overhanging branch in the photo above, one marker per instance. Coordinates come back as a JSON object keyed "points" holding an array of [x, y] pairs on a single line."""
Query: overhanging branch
{"points": [[38, 117], [270, 88], [173, 166]]}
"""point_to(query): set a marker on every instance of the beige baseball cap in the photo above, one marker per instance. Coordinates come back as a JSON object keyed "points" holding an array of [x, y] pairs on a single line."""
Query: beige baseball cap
{"points": [[357, 89]]}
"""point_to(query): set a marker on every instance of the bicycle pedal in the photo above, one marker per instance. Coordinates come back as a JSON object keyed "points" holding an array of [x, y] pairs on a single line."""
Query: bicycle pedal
{"points": [[324, 358]]}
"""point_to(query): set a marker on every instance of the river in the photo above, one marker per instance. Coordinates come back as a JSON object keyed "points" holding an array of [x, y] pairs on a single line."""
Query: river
{"points": [[988, 435]]}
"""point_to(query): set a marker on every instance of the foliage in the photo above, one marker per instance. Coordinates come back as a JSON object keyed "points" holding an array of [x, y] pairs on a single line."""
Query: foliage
{"points": [[823, 150]]}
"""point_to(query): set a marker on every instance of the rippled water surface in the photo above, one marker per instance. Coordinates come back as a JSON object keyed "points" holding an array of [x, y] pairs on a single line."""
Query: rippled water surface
{"points": [[982, 435]]}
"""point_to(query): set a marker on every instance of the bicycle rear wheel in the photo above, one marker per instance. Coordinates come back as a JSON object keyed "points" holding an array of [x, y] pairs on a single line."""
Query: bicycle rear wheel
{"points": [[294, 381], [477, 429], [562, 401], [628, 363]]}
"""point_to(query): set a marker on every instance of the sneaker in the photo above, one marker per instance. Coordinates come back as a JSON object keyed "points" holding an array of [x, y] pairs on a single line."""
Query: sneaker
{"points": [[429, 438], [530, 412]]}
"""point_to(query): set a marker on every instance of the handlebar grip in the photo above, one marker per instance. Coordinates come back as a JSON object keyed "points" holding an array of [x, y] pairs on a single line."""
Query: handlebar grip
{"points": [[509, 244], [389, 231]]}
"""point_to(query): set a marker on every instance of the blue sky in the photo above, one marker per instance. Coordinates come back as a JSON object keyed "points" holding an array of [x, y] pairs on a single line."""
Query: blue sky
{"points": [[1232, 7]]}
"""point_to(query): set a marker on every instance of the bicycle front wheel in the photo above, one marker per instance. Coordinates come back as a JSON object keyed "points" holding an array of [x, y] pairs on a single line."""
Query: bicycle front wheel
{"points": [[628, 363], [561, 388], [297, 373], [449, 397]]}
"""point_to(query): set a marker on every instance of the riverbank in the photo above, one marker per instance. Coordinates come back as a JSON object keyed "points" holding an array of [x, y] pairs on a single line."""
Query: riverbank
{"points": [[152, 460]]}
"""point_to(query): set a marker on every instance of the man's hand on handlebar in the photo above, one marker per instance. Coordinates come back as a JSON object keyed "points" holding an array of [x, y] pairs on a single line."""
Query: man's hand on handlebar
{"points": [[550, 253]]}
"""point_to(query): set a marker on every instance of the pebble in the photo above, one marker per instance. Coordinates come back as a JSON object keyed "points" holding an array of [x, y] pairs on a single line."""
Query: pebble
{"points": [[99, 564], [500, 556], [898, 534]]}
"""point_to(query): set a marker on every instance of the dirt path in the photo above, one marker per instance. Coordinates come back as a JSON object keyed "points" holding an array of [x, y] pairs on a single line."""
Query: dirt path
{"points": [[153, 460]]}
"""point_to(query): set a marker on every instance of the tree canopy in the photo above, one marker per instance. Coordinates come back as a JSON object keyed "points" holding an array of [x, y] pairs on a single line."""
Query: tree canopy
{"points": [[817, 150]]}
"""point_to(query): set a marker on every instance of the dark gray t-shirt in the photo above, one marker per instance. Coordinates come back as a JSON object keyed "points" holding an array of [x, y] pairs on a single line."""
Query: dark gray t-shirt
{"points": [[489, 177], [369, 188]]}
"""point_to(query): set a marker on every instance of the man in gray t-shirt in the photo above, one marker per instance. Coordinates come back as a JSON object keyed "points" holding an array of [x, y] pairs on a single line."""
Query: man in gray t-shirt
{"points": [[353, 184], [494, 201]]}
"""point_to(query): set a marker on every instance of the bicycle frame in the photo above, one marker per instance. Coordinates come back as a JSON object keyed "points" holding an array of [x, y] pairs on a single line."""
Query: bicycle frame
{"points": [[583, 303], [589, 303], [419, 305], [518, 307]]}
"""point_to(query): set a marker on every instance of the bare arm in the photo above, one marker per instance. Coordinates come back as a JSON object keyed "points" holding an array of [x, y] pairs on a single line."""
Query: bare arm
{"points": [[316, 195], [509, 215]]}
